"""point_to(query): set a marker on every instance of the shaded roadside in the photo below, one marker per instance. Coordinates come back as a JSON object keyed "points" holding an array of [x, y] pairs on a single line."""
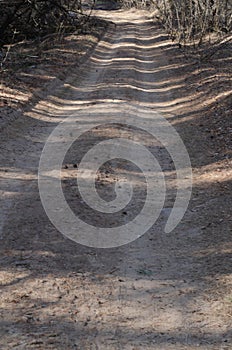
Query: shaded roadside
{"points": [[33, 68]]}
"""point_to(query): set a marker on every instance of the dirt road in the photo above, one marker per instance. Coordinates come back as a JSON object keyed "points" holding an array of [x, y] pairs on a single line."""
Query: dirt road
{"points": [[163, 290]]}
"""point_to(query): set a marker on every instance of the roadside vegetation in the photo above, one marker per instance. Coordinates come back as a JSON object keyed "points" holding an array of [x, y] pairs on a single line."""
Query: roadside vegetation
{"points": [[30, 19], [191, 22]]}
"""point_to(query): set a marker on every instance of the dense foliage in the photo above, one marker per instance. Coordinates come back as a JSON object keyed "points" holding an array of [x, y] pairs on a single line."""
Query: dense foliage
{"points": [[192, 19], [189, 20], [23, 19]]}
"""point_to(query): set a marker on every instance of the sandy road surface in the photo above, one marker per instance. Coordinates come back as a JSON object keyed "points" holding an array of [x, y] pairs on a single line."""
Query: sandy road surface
{"points": [[157, 292]]}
